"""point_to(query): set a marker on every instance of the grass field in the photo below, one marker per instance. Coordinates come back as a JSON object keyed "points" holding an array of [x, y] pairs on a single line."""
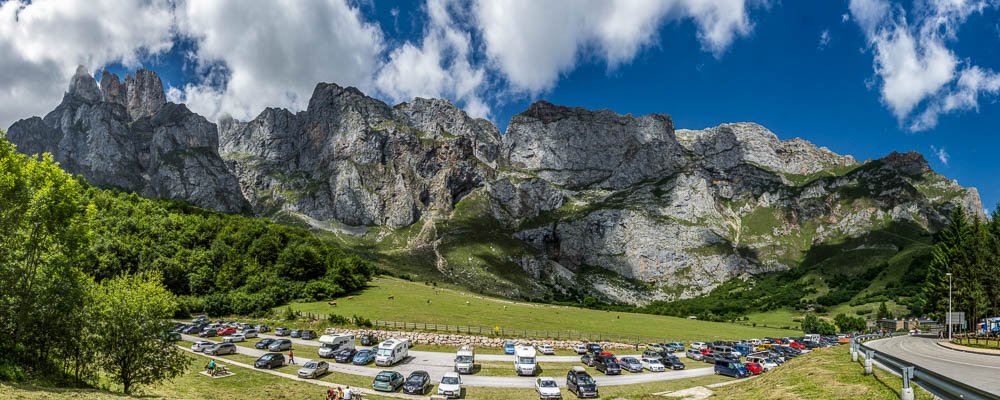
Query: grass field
{"points": [[822, 374], [448, 307]]}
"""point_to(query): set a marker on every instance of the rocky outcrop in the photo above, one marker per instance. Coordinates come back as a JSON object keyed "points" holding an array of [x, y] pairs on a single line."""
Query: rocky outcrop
{"points": [[170, 152], [589, 203]]}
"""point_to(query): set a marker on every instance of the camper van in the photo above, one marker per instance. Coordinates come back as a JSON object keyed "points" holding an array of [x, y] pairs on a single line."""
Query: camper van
{"points": [[465, 360], [524, 360], [391, 351], [331, 344]]}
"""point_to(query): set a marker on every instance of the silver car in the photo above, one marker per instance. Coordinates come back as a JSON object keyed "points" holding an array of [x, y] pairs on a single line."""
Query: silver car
{"points": [[250, 333], [280, 344], [200, 346], [313, 369], [694, 355], [221, 349]]}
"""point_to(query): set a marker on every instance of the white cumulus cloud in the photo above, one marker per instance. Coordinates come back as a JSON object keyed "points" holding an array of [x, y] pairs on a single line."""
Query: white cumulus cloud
{"points": [[914, 67], [941, 154], [824, 39], [43, 41]]}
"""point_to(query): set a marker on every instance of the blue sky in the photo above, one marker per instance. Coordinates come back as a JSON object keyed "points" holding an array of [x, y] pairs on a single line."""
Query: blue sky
{"points": [[861, 77]]}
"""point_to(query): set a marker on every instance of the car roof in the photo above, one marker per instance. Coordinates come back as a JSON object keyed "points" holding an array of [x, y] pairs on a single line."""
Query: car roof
{"points": [[451, 374], [424, 373], [546, 378]]}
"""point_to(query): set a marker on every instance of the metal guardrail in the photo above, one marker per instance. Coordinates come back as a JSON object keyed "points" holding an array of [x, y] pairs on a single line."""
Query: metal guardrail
{"points": [[937, 384]]}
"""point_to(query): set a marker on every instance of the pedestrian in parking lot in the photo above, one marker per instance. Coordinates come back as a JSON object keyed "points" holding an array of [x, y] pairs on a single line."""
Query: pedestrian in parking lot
{"points": [[291, 357]]}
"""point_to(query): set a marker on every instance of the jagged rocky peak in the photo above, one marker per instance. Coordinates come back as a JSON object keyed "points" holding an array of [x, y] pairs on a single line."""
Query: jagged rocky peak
{"points": [[84, 86], [141, 94], [576, 147], [439, 119], [728, 145], [910, 163]]}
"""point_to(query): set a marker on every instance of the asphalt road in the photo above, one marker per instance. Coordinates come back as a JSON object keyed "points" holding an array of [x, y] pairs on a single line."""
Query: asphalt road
{"points": [[438, 363], [979, 370]]}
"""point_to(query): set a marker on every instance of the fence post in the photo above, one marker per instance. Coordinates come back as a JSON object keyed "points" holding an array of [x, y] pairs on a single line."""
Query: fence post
{"points": [[868, 362], [907, 392], [854, 351]]}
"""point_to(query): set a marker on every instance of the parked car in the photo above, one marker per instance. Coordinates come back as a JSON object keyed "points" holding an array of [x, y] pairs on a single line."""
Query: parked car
{"points": [[343, 356], [219, 349], [579, 382], [734, 369], [307, 335], [270, 360], [280, 344], [226, 331], [173, 336], [282, 332], [450, 386], [546, 349], [368, 340], [200, 346], [364, 357], [200, 319], [708, 357], [594, 348], [653, 354], [296, 333], [236, 337], [765, 363], [418, 383], [547, 388], [588, 359], [508, 348], [313, 369], [631, 364], [652, 364], [250, 333], [580, 349], [671, 362], [387, 381], [262, 328], [192, 330], [675, 346], [208, 333], [754, 368], [694, 354], [607, 364], [698, 345]]}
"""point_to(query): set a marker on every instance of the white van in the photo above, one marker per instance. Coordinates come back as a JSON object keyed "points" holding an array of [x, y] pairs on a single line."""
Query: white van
{"points": [[812, 337], [524, 360], [391, 351], [331, 344], [465, 360]]}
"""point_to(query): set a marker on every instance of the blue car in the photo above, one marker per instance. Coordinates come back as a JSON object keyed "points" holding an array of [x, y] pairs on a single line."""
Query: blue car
{"points": [[731, 368], [508, 348], [743, 349], [364, 357]]}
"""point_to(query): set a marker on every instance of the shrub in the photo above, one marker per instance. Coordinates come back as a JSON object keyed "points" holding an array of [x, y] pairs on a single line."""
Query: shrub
{"points": [[338, 319], [362, 322]]}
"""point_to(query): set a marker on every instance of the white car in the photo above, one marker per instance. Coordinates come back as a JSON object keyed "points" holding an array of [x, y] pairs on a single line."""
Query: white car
{"points": [[547, 388], [699, 346], [200, 346], [236, 337], [652, 364], [546, 349], [249, 333], [580, 349], [451, 385]]}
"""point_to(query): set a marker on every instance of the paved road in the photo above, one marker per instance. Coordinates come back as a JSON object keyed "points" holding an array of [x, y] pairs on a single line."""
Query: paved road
{"points": [[982, 371], [438, 363]]}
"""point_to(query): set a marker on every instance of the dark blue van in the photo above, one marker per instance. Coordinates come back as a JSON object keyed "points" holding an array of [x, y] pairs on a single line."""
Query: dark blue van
{"points": [[731, 368]]}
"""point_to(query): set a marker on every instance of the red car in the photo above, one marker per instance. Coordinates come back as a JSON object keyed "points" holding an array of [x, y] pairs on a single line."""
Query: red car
{"points": [[705, 351], [227, 331], [754, 367], [604, 353], [798, 345]]}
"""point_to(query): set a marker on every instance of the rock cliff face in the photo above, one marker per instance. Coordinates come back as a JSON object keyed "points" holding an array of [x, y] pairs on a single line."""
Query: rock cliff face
{"points": [[568, 203], [163, 151]]}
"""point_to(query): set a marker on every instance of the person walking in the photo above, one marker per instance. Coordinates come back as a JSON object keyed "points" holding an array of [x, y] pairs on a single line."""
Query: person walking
{"points": [[291, 357]]}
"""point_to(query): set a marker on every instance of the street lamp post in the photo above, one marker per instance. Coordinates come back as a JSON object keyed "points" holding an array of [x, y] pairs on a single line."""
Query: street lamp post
{"points": [[949, 306]]}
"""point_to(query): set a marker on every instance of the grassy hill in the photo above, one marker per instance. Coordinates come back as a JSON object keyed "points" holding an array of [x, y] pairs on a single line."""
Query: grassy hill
{"points": [[448, 306]]}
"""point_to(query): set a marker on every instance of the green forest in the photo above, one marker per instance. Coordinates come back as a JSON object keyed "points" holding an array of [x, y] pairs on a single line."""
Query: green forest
{"points": [[89, 275]]}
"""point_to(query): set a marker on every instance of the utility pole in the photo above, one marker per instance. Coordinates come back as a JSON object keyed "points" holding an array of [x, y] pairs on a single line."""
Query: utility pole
{"points": [[949, 306]]}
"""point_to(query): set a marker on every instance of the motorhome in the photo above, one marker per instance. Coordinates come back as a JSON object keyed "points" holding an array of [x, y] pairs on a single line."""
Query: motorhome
{"points": [[331, 344], [812, 337], [391, 351], [465, 360], [524, 360]]}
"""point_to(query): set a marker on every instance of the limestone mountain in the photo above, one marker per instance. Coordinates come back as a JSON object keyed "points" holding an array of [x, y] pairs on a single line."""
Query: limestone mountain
{"points": [[568, 203]]}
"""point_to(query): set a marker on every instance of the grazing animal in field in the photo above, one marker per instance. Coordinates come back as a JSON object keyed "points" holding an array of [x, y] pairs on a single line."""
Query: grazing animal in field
{"points": [[350, 297], [505, 308], [332, 303], [466, 302], [392, 297]]}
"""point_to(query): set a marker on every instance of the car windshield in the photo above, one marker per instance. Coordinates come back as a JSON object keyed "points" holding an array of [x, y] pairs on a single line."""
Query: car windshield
{"points": [[585, 379], [384, 352], [363, 353], [449, 380], [673, 359], [739, 365], [267, 356], [415, 379], [383, 378], [526, 360], [548, 384], [311, 364], [464, 359]]}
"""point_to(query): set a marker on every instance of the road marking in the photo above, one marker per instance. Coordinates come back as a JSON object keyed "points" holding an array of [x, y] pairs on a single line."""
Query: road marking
{"points": [[902, 345]]}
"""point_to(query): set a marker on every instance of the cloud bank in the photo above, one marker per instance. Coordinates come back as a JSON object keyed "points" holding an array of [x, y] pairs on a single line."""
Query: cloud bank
{"points": [[473, 52]]}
